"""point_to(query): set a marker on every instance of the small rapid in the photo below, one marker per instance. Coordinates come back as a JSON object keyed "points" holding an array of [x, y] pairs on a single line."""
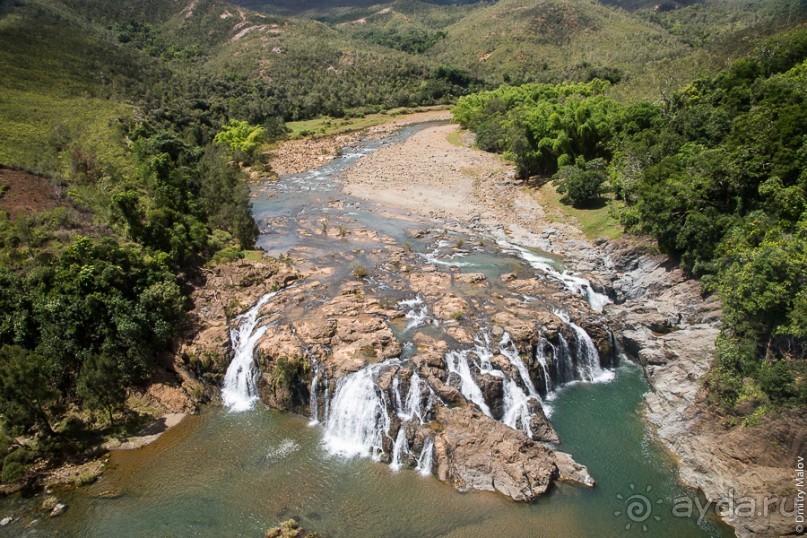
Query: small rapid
{"points": [[573, 282]]}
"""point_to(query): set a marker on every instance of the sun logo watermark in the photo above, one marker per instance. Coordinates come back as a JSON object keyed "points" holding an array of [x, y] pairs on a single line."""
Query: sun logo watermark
{"points": [[638, 508]]}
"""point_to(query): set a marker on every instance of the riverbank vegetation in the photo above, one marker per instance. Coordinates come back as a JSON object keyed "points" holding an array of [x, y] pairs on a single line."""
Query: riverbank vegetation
{"points": [[715, 172], [120, 195]]}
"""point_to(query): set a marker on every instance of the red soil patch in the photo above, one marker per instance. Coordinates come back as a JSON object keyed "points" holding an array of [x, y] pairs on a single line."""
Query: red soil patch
{"points": [[23, 194]]}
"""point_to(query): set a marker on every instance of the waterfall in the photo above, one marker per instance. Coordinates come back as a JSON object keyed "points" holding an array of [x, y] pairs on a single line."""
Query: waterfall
{"points": [[508, 349], [361, 416], [358, 418], [362, 413], [563, 364], [483, 353], [588, 367], [396, 391], [412, 407], [517, 413], [240, 391], [326, 397], [424, 466], [589, 358], [400, 448], [540, 358], [314, 405], [516, 401], [457, 362]]}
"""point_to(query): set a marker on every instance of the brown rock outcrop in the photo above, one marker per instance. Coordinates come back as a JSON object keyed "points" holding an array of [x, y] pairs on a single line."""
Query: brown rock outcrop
{"points": [[474, 451]]}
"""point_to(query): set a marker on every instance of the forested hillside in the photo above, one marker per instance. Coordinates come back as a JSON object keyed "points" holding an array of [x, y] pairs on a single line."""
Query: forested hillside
{"points": [[139, 195], [644, 48], [716, 173]]}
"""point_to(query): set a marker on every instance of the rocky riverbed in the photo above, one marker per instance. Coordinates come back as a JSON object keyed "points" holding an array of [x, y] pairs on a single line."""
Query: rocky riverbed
{"points": [[440, 354], [659, 318], [457, 366]]}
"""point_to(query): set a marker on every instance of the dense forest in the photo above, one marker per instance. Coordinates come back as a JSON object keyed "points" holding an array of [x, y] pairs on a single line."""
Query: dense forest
{"points": [[715, 172]]}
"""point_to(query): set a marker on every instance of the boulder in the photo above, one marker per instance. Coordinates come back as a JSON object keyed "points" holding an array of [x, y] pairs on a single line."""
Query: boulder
{"points": [[541, 428], [520, 329], [471, 278], [450, 307], [474, 451], [492, 388], [571, 471]]}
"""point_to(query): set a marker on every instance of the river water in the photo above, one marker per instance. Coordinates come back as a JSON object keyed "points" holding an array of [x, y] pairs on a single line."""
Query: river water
{"points": [[225, 473]]}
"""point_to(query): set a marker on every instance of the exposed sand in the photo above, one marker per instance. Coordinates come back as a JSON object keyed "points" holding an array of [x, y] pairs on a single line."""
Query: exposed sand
{"points": [[149, 434], [426, 175], [429, 176], [294, 156]]}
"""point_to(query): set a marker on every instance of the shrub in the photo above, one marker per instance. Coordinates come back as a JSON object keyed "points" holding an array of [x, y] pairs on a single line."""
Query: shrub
{"points": [[241, 137], [359, 271], [582, 184]]}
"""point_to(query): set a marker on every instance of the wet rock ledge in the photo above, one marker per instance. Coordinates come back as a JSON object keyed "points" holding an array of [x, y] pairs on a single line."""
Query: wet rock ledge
{"points": [[446, 372]]}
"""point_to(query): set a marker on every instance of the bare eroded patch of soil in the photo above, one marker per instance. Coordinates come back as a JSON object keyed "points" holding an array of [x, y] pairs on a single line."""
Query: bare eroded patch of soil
{"points": [[23, 194]]}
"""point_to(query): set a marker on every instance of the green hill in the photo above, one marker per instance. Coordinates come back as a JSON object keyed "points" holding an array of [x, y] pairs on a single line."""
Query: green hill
{"points": [[649, 48]]}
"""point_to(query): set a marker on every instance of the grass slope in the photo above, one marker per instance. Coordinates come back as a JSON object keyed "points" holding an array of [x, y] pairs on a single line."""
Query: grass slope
{"points": [[51, 93]]}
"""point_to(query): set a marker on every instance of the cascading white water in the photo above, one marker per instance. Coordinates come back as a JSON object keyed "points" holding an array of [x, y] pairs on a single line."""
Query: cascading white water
{"points": [[588, 359], [361, 416], [326, 398], [540, 358], [361, 413], [564, 362], [573, 283], [416, 312], [508, 349], [516, 402], [358, 417], [457, 362], [433, 259], [424, 465], [396, 392], [399, 448], [412, 407], [484, 355], [239, 391], [517, 412], [314, 405]]}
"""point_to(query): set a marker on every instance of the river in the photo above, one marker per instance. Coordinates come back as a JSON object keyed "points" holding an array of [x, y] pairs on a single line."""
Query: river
{"points": [[228, 473]]}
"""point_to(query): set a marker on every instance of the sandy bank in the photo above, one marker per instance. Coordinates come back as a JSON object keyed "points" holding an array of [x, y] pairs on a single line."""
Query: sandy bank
{"points": [[431, 177], [295, 156]]}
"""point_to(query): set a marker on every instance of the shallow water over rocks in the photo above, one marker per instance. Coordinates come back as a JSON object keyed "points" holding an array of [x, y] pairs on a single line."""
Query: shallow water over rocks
{"points": [[413, 335]]}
